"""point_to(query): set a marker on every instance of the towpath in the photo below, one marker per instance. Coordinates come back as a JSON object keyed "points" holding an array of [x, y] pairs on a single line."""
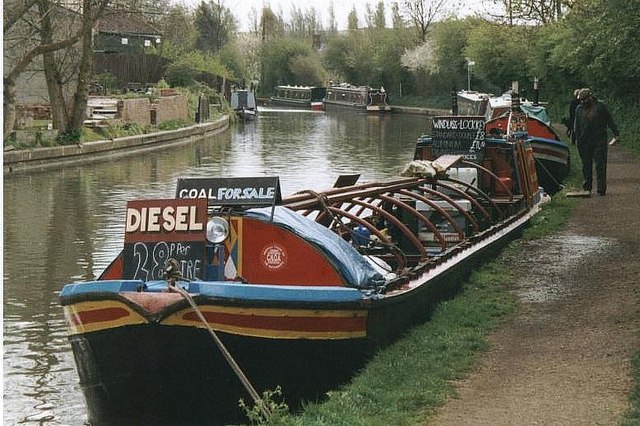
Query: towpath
{"points": [[565, 357]]}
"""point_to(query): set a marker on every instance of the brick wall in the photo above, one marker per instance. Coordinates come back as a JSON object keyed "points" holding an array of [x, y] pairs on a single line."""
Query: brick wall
{"points": [[170, 107], [138, 110], [135, 110]]}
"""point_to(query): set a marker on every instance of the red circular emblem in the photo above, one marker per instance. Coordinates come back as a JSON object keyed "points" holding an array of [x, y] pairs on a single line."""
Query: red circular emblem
{"points": [[274, 256]]}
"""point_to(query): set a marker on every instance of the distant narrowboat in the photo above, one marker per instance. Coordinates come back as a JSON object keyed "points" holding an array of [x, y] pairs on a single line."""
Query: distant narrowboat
{"points": [[299, 96], [553, 158], [244, 104], [359, 97]]}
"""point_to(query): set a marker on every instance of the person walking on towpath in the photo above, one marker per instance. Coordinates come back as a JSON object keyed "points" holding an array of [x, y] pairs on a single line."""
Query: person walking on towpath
{"points": [[572, 116], [590, 128]]}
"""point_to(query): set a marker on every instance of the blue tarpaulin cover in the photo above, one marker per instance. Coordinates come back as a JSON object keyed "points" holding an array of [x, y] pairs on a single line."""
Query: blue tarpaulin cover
{"points": [[351, 264]]}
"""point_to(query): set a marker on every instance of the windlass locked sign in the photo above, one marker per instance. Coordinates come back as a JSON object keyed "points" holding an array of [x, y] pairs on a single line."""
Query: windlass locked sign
{"points": [[253, 191], [457, 135], [157, 230]]}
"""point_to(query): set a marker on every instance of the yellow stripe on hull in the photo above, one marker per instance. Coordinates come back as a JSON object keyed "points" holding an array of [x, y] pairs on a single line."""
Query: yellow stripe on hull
{"points": [[277, 323], [86, 317]]}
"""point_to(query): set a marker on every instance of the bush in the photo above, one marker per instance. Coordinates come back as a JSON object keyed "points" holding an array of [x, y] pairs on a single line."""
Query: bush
{"points": [[69, 137], [181, 74], [174, 123]]}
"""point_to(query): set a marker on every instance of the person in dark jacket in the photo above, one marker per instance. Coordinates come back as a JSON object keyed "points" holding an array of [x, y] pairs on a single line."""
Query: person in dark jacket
{"points": [[572, 116], [590, 128]]}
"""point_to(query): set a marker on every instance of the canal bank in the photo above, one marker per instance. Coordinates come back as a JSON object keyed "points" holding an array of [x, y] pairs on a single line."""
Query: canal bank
{"points": [[86, 152], [42, 158], [430, 112]]}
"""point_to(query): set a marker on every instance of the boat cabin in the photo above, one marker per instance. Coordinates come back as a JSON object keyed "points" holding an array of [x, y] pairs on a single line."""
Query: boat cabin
{"points": [[359, 97], [299, 96]]}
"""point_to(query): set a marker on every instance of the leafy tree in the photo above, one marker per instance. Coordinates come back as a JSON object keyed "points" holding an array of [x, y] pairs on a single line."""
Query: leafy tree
{"points": [[307, 70], [178, 28], [379, 20], [290, 61], [598, 43], [271, 25], [215, 24], [304, 24], [449, 39], [186, 70], [352, 20], [500, 54], [369, 57], [232, 59], [396, 16], [346, 56]]}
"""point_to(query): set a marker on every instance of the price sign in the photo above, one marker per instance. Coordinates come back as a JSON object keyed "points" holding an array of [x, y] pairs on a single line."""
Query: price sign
{"points": [[457, 135]]}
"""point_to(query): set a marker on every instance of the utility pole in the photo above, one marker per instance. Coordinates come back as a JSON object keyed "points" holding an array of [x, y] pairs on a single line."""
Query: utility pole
{"points": [[470, 63]]}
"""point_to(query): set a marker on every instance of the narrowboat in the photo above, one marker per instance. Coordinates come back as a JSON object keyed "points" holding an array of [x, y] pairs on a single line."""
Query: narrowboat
{"points": [[359, 97], [299, 97], [243, 102], [553, 158], [230, 289]]}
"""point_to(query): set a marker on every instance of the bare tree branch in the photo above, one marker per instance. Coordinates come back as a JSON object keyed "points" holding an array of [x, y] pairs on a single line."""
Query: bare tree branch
{"points": [[423, 13], [14, 16]]}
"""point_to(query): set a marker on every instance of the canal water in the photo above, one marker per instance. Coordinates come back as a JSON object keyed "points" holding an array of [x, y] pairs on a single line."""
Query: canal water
{"points": [[66, 225]]}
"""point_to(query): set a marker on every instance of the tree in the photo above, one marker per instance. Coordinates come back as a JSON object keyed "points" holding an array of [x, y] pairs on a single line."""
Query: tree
{"points": [[215, 25], [178, 29], [450, 41], [30, 23], [423, 13], [379, 20], [289, 60], [598, 43], [500, 53], [271, 25], [352, 20], [370, 57], [333, 27], [304, 24], [396, 17], [533, 11]]}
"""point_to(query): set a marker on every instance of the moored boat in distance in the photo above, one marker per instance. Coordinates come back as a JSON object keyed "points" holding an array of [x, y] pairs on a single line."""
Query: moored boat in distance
{"points": [[358, 97], [230, 289], [243, 102], [299, 96], [553, 159]]}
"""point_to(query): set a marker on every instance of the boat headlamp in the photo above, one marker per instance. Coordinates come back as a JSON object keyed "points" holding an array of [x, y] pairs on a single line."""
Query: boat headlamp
{"points": [[217, 230]]}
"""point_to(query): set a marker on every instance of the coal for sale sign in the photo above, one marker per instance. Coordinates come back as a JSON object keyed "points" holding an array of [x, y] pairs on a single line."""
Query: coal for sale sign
{"points": [[457, 135], [250, 191]]}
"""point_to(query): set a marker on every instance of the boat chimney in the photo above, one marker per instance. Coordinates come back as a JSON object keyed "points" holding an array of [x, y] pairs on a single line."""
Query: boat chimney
{"points": [[536, 91], [515, 96]]}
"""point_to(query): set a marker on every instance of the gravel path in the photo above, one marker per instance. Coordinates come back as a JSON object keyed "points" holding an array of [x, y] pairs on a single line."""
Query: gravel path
{"points": [[565, 356]]}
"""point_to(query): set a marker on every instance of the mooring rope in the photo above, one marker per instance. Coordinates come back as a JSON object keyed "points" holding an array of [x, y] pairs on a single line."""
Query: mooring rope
{"points": [[560, 185], [172, 275]]}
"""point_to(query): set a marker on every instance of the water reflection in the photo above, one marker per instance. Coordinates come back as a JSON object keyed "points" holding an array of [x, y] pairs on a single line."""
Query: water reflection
{"points": [[67, 225]]}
